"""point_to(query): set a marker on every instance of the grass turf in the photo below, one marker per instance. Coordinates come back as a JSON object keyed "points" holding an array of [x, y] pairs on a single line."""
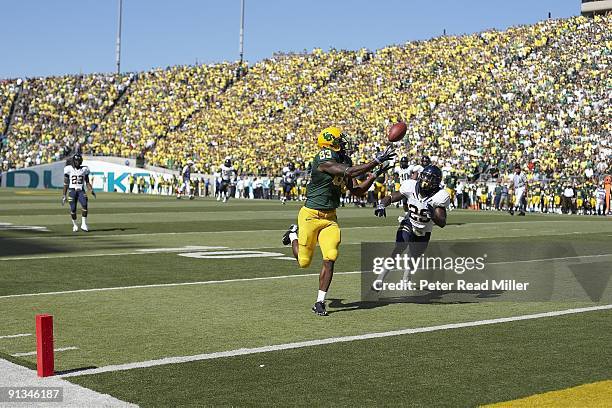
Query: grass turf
{"points": [[138, 324]]}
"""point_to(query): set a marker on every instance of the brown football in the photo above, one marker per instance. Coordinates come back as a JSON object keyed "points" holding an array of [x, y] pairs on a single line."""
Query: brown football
{"points": [[397, 132]]}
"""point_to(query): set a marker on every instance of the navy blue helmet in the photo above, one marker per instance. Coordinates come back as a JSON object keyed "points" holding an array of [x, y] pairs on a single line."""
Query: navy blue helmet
{"points": [[77, 161], [429, 180]]}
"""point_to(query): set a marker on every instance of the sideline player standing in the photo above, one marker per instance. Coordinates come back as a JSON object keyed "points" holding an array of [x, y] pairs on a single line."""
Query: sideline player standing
{"points": [[332, 170], [289, 182], [519, 182], [76, 177], [228, 175], [186, 176]]}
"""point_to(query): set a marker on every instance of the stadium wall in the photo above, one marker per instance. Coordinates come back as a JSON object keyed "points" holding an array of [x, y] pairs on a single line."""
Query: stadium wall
{"points": [[105, 176]]}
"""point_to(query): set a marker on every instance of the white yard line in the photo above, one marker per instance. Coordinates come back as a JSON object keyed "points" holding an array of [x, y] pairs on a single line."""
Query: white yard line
{"points": [[262, 278], [12, 336], [332, 340], [74, 396], [94, 236], [81, 236], [33, 353], [153, 251], [165, 285]]}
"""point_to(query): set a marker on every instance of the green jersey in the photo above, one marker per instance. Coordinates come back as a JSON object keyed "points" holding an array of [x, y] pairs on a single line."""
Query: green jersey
{"points": [[324, 190]]}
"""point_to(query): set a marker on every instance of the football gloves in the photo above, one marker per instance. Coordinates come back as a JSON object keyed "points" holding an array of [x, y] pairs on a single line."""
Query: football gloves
{"points": [[93, 193], [385, 155], [380, 210], [383, 169], [63, 199]]}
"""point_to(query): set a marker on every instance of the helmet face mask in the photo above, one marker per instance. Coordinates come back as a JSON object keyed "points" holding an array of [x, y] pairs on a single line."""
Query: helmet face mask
{"points": [[425, 161], [429, 180], [77, 160], [346, 144]]}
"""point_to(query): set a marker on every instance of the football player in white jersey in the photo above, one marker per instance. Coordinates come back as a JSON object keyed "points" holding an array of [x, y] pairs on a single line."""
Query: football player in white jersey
{"points": [[600, 200], [186, 177], [76, 178], [427, 204], [404, 173], [228, 176], [418, 168], [519, 182], [289, 181]]}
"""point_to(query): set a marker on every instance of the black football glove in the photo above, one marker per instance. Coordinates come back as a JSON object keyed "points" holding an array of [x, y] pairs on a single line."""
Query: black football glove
{"points": [[63, 200], [385, 155], [382, 170], [380, 210], [93, 193]]}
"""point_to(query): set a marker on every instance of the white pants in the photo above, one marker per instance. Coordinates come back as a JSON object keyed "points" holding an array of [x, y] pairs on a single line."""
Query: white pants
{"points": [[186, 188], [519, 193]]}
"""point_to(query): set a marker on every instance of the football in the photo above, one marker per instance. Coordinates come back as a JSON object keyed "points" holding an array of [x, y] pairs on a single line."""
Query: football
{"points": [[397, 132]]}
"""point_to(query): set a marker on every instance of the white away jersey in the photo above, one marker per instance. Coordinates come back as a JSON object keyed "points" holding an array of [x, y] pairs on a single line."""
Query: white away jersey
{"points": [[418, 214], [227, 172], [76, 177], [519, 181], [600, 194], [404, 174], [289, 176]]}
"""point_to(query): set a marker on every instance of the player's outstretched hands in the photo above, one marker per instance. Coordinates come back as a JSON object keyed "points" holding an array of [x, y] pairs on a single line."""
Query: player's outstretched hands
{"points": [[383, 169], [380, 210], [63, 199], [385, 155]]}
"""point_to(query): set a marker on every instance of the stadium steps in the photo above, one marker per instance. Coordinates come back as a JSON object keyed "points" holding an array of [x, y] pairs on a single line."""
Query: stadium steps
{"points": [[16, 100], [242, 74]]}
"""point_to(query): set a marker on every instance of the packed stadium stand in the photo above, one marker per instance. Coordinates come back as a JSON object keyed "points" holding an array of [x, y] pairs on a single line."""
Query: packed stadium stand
{"points": [[477, 104]]}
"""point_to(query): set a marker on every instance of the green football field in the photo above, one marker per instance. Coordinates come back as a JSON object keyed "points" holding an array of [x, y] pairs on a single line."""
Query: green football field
{"points": [[169, 302]]}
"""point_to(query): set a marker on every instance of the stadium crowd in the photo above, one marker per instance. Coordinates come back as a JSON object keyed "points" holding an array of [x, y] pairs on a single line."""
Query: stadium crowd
{"points": [[538, 95]]}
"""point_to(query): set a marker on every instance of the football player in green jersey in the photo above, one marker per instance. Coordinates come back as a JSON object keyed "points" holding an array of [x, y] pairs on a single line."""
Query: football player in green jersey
{"points": [[332, 170]]}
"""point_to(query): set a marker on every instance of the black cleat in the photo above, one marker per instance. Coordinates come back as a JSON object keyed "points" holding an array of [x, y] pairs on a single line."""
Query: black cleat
{"points": [[286, 239], [319, 309], [511, 212], [521, 214]]}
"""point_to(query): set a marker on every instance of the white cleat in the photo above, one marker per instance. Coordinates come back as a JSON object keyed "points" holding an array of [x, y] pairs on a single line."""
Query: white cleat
{"points": [[84, 227], [75, 228]]}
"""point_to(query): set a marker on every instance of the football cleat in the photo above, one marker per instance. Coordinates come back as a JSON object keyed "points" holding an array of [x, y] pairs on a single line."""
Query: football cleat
{"points": [[292, 228], [319, 309], [75, 228], [84, 227], [522, 214]]}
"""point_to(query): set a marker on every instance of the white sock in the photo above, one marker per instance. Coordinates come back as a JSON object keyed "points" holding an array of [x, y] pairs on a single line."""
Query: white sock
{"points": [[293, 236], [74, 223], [83, 221], [321, 296]]}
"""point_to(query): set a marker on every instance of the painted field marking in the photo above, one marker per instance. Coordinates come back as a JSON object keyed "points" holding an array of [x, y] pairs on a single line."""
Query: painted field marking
{"points": [[94, 236], [12, 336], [262, 278], [33, 353], [180, 249], [331, 340]]}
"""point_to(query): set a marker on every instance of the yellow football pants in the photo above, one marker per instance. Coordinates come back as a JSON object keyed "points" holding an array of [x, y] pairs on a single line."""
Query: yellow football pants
{"points": [[317, 226]]}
